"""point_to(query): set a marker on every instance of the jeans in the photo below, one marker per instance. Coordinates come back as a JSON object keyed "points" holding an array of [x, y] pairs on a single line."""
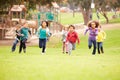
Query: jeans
{"points": [[70, 46], [42, 44], [22, 45], [94, 45], [14, 45], [73, 46], [100, 47]]}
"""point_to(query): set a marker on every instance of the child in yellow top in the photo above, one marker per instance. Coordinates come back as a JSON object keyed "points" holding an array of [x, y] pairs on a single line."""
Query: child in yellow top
{"points": [[100, 38]]}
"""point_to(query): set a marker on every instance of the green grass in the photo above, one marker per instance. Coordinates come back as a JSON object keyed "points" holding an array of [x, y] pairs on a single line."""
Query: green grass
{"points": [[67, 18], [54, 65]]}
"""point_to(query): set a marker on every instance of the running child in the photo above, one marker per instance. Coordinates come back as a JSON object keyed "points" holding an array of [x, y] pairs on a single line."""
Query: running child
{"points": [[71, 39], [17, 39], [100, 38], [43, 32], [93, 32], [24, 37], [64, 35]]}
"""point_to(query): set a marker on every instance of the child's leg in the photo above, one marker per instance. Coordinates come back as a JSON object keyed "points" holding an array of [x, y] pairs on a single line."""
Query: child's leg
{"points": [[63, 47], [98, 47], [94, 47], [40, 43], [14, 45], [44, 46], [101, 47], [24, 45], [66, 47], [69, 48], [20, 48], [73, 46], [89, 43]]}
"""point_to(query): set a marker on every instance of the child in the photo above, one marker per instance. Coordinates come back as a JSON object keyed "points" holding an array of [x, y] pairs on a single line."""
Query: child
{"points": [[17, 37], [100, 38], [64, 35], [71, 39], [43, 33], [47, 29], [93, 31], [24, 36]]}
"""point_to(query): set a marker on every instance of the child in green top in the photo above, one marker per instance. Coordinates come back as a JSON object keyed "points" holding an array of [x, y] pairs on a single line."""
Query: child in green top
{"points": [[43, 32], [24, 36]]}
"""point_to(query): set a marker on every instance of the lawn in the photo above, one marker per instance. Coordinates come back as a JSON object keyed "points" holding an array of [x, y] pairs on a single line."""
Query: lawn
{"points": [[67, 18], [54, 65]]}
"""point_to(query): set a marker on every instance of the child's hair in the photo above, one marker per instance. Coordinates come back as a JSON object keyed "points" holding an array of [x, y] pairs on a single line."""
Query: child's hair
{"points": [[96, 23], [72, 26], [64, 27]]}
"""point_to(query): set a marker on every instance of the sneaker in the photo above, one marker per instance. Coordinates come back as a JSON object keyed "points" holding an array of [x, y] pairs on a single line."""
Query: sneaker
{"points": [[43, 53]]}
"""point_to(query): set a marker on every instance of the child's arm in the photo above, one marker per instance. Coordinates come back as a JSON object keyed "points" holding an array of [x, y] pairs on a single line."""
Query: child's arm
{"points": [[86, 31], [29, 31], [96, 32], [104, 35], [78, 40], [38, 31]]}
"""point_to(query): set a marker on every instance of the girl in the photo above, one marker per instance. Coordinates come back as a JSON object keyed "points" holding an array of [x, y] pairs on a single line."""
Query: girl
{"points": [[93, 31], [43, 33], [100, 38], [72, 37], [64, 35]]}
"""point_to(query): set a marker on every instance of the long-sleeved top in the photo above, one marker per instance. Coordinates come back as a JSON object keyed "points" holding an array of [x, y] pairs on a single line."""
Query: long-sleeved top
{"points": [[17, 34], [92, 33], [24, 31], [101, 36], [64, 35], [72, 37], [43, 33]]}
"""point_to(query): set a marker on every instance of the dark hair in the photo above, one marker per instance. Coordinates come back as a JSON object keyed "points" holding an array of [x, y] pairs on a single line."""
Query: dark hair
{"points": [[72, 26], [46, 23], [96, 23]]}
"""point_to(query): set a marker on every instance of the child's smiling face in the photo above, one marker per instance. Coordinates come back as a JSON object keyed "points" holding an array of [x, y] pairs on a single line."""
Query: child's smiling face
{"points": [[71, 29], [93, 25], [44, 24]]}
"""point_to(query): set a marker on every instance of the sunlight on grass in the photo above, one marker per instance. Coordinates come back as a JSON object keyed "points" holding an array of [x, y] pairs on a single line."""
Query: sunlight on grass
{"points": [[55, 65]]}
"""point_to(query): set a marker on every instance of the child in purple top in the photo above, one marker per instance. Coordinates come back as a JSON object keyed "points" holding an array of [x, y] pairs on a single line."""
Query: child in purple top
{"points": [[93, 31]]}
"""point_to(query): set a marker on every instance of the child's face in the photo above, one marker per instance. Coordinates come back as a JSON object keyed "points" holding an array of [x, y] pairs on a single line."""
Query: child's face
{"points": [[66, 29], [99, 29], [26, 25], [71, 29], [44, 24], [93, 25]]}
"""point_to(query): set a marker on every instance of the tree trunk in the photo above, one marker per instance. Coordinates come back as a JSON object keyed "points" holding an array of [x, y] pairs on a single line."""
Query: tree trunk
{"points": [[105, 15], [86, 16]]}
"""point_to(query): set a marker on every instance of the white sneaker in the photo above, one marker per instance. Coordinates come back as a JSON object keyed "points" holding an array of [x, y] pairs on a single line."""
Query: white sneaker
{"points": [[43, 53]]}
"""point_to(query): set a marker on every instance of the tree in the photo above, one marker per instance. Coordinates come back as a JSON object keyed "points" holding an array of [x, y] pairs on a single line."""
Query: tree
{"points": [[85, 6], [105, 5]]}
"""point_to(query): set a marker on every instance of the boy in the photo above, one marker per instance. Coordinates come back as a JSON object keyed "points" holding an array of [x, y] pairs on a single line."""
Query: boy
{"points": [[24, 36], [71, 39], [17, 37]]}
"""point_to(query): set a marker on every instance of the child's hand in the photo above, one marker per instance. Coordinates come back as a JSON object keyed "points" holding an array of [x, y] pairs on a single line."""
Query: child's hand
{"points": [[22, 34]]}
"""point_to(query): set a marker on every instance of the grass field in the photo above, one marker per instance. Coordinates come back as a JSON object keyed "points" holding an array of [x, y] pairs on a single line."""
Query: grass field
{"points": [[67, 18], [54, 65]]}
